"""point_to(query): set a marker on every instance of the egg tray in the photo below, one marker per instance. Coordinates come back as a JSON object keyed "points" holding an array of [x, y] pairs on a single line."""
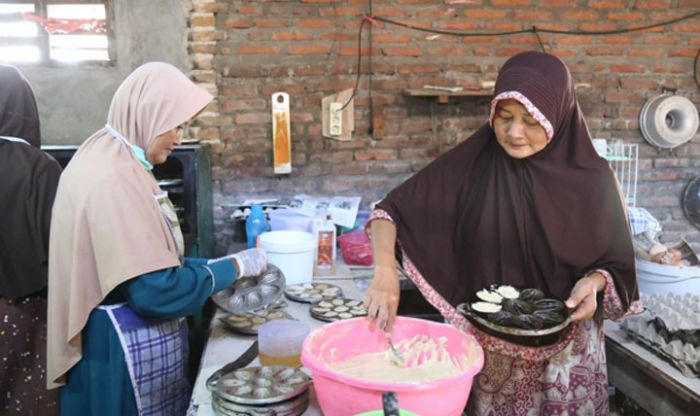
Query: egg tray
{"points": [[675, 316], [248, 323], [252, 293], [684, 356], [262, 385], [312, 292], [292, 407], [330, 310]]}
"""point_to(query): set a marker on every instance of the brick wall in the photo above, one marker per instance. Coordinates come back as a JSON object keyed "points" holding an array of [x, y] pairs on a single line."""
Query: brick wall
{"points": [[246, 50]]}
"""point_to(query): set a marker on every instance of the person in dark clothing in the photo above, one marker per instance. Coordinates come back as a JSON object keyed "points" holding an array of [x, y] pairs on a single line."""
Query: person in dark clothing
{"points": [[28, 181]]}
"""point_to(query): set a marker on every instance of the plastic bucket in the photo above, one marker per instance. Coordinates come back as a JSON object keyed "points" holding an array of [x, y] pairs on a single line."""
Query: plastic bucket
{"points": [[662, 278], [287, 219], [292, 252], [344, 395]]}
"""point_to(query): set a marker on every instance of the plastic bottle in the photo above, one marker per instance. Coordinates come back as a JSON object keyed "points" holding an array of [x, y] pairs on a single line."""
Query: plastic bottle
{"points": [[255, 225], [325, 251]]}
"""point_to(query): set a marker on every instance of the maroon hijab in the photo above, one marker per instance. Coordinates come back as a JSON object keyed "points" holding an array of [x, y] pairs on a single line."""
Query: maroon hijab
{"points": [[475, 216], [18, 113], [28, 181]]}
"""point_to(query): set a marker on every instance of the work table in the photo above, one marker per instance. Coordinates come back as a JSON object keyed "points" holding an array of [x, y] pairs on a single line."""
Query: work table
{"points": [[225, 345]]}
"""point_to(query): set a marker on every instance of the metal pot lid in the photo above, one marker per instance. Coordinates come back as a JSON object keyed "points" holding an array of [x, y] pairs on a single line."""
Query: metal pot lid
{"points": [[667, 121], [292, 407], [690, 201], [248, 323], [336, 309], [312, 292], [261, 385], [252, 293]]}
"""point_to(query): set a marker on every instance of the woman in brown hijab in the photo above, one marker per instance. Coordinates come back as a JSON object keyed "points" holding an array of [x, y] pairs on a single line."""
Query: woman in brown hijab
{"points": [[27, 189], [527, 202]]}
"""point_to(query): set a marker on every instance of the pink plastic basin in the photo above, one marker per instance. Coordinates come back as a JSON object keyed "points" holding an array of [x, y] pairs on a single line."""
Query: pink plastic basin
{"points": [[340, 394]]}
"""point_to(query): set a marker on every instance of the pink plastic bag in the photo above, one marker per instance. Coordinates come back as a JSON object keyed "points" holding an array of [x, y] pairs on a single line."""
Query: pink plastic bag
{"points": [[356, 248]]}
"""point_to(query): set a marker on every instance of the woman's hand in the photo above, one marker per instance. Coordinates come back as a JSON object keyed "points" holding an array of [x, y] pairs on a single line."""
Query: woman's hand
{"points": [[583, 296], [250, 262], [382, 296]]}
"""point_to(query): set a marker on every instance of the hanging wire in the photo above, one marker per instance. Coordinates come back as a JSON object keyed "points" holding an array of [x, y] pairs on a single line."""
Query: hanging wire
{"points": [[359, 63], [539, 39], [696, 75], [534, 29]]}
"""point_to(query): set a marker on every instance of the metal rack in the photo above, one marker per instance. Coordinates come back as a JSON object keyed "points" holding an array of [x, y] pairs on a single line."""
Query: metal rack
{"points": [[624, 161]]}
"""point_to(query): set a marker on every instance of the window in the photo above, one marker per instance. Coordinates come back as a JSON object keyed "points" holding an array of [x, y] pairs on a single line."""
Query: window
{"points": [[55, 31]]}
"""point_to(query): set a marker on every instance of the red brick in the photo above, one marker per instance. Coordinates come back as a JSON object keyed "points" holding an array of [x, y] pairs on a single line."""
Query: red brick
{"points": [[627, 16], [580, 15], [203, 21], [291, 36], [249, 10], [402, 51], [536, 15], [391, 38], [645, 52], [309, 49], [341, 11], [602, 51], [608, 4], [626, 68], [556, 3], [315, 23], [617, 39], [258, 50], [485, 14], [511, 3], [458, 26], [272, 23], [656, 4]]}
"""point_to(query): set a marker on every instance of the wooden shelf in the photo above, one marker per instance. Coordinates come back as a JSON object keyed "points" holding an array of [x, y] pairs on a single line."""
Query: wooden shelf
{"points": [[444, 96]]}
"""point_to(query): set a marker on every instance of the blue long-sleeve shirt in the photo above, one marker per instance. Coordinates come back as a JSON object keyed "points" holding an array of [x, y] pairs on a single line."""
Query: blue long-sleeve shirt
{"points": [[99, 383], [178, 291]]}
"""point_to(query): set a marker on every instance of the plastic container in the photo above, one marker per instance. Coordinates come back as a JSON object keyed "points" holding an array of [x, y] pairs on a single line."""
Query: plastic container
{"points": [[287, 219], [280, 342], [356, 248], [324, 232], [292, 252], [343, 395], [662, 278], [255, 225]]}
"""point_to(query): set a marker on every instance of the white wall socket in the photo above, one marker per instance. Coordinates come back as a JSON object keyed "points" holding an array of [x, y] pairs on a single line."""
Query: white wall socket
{"points": [[335, 125]]}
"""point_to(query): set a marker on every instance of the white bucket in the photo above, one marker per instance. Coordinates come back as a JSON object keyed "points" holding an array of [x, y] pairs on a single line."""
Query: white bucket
{"points": [[292, 252], [661, 278]]}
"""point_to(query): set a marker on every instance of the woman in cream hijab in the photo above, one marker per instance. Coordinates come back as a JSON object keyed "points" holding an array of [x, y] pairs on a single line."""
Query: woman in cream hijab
{"points": [[118, 289]]}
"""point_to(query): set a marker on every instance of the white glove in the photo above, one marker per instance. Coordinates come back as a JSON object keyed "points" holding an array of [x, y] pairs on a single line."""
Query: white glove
{"points": [[251, 262]]}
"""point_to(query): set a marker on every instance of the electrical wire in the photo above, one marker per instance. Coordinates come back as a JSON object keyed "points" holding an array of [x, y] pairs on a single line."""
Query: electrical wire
{"points": [[534, 29], [696, 70]]}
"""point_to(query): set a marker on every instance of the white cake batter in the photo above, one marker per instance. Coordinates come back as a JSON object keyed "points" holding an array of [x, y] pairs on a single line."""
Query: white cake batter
{"points": [[426, 359]]}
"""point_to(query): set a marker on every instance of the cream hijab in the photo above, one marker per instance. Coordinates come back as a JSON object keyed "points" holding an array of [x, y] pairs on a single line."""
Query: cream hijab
{"points": [[107, 226]]}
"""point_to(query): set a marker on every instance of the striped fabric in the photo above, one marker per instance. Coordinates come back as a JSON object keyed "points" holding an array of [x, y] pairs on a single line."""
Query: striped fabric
{"points": [[641, 220], [156, 355]]}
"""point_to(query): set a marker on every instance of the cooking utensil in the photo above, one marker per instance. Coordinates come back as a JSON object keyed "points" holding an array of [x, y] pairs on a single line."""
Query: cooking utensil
{"points": [[396, 356], [529, 337]]}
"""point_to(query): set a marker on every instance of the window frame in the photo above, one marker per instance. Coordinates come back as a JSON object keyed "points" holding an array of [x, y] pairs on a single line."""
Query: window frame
{"points": [[42, 40]]}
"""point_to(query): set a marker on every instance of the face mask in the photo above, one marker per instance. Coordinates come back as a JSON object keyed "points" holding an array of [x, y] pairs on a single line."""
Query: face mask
{"points": [[138, 152], [141, 156]]}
